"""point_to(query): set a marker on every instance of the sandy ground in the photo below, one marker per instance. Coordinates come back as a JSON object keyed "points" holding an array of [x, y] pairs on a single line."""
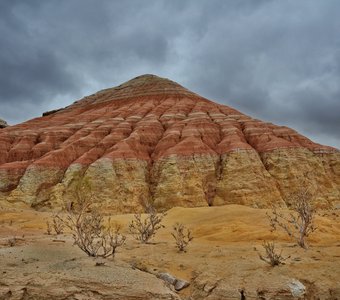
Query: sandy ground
{"points": [[221, 261]]}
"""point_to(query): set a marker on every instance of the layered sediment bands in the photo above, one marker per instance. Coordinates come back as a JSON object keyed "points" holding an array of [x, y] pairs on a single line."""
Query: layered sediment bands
{"points": [[244, 180], [184, 181], [10, 174], [152, 141], [119, 184], [293, 167], [36, 184]]}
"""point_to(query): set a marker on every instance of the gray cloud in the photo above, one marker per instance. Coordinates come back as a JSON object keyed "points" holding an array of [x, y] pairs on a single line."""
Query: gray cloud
{"points": [[274, 60]]}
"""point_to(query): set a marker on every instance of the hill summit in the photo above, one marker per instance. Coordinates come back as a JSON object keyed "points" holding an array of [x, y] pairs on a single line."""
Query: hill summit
{"points": [[150, 140]]}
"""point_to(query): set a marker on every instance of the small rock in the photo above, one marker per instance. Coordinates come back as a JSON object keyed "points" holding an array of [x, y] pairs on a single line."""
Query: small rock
{"points": [[297, 288], [167, 278], [177, 283], [181, 284]]}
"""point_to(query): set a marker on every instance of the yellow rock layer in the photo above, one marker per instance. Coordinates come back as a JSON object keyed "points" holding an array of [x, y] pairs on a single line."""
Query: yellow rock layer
{"points": [[238, 177]]}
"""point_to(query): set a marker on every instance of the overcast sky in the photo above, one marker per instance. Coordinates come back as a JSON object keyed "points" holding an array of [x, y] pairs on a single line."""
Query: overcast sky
{"points": [[274, 60]]}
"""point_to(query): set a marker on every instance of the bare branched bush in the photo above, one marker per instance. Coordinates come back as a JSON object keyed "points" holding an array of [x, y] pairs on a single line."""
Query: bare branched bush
{"points": [[144, 229], [90, 234], [116, 239], [299, 224], [272, 258], [12, 242], [58, 224], [182, 236]]}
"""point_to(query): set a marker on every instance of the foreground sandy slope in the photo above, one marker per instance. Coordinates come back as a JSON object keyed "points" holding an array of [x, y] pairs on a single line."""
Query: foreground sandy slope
{"points": [[221, 261]]}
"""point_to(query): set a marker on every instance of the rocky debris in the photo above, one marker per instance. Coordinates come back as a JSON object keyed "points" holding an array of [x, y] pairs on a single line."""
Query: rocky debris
{"points": [[152, 139], [3, 124], [177, 283]]}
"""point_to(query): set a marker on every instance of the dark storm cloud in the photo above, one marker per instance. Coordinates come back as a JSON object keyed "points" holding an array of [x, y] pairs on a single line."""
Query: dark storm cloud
{"points": [[278, 61], [275, 60], [51, 49]]}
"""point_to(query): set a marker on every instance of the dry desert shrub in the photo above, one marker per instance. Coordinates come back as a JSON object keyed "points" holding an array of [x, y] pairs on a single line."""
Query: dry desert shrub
{"points": [[271, 257], [299, 224], [182, 236], [12, 242], [90, 234], [144, 229], [87, 227], [48, 228], [57, 225]]}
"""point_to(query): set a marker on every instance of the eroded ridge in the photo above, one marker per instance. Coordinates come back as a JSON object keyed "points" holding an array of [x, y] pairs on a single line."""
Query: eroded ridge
{"points": [[152, 140]]}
